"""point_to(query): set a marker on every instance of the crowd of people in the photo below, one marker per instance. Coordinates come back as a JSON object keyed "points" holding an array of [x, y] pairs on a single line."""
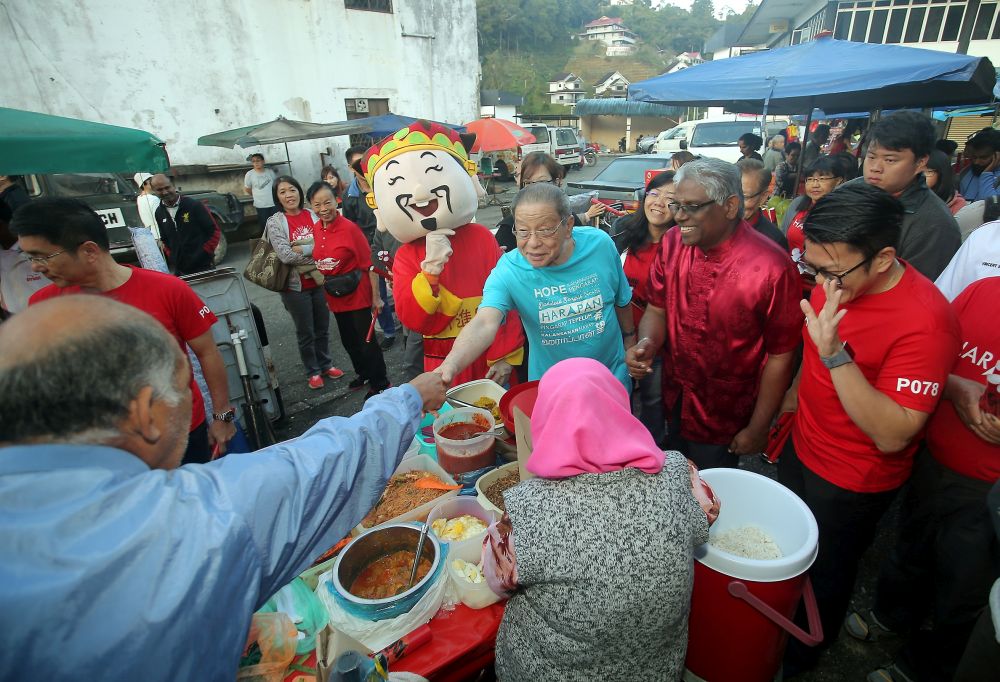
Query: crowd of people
{"points": [[864, 320]]}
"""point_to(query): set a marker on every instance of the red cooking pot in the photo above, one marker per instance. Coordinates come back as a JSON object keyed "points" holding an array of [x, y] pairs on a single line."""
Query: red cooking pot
{"points": [[522, 396]]}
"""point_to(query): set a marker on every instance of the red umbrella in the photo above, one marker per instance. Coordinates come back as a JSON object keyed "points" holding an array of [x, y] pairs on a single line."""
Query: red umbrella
{"points": [[493, 134]]}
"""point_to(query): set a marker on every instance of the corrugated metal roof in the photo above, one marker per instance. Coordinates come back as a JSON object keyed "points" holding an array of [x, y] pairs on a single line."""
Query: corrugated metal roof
{"points": [[619, 106]]}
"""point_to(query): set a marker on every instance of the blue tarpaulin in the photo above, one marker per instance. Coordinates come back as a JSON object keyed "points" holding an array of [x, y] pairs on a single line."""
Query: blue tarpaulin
{"points": [[834, 75]]}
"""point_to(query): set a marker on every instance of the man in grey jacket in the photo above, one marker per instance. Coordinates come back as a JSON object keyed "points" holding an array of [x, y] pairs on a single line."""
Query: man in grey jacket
{"points": [[895, 162]]}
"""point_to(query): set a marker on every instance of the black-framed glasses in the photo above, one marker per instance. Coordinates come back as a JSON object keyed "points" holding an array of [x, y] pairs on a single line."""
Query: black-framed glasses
{"points": [[811, 270], [690, 209], [541, 233], [42, 260], [550, 181], [819, 178], [655, 194]]}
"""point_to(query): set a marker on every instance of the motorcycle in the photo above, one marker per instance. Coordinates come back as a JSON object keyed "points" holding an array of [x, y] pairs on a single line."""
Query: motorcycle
{"points": [[589, 156]]}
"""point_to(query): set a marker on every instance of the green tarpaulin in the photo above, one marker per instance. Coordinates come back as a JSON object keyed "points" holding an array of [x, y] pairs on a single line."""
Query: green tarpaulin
{"points": [[38, 143]]}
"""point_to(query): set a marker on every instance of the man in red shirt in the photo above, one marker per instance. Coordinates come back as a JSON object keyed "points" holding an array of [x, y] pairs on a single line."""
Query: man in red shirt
{"points": [[724, 304], [68, 243], [947, 555], [880, 341]]}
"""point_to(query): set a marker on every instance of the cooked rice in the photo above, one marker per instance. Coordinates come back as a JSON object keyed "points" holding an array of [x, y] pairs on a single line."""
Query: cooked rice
{"points": [[749, 542]]}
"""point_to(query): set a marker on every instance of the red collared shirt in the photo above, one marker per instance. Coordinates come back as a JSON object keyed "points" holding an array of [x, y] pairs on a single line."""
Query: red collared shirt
{"points": [[726, 311]]}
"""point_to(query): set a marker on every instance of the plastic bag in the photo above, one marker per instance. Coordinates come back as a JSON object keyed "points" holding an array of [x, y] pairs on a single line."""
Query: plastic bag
{"points": [[377, 635], [275, 636], [305, 610], [150, 256]]}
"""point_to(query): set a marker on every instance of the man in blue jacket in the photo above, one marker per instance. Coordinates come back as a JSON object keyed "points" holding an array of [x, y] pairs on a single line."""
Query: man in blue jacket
{"points": [[114, 563], [981, 179]]}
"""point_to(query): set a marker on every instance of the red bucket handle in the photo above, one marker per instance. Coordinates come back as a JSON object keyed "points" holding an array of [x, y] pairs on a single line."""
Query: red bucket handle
{"points": [[811, 638]]}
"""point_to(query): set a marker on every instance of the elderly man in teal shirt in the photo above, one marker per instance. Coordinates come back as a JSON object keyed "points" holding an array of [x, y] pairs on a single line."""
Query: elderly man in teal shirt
{"points": [[115, 564]]}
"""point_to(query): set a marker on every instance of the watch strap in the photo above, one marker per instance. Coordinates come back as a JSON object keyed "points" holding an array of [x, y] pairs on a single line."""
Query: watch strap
{"points": [[227, 416], [841, 357]]}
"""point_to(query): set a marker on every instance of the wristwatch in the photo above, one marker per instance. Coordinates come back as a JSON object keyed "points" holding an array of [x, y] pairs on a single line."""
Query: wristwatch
{"points": [[841, 357], [227, 416]]}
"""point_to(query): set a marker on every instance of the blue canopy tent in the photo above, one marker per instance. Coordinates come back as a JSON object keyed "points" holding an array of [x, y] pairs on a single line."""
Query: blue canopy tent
{"points": [[834, 75]]}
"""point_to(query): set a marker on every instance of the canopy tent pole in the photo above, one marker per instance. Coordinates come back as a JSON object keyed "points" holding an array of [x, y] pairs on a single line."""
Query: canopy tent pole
{"points": [[805, 141], [288, 160]]}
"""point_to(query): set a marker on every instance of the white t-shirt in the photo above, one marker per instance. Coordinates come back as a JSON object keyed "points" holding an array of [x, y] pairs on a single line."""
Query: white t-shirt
{"points": [[147, 205], [978, 258], [260, 185]]}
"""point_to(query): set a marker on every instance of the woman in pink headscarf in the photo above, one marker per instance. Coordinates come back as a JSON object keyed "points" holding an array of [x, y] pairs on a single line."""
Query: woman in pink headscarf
{"points": [[596, 551]]}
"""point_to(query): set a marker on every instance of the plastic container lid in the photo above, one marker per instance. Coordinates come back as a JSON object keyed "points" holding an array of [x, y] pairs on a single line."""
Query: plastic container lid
{"points": [[749, 499]]}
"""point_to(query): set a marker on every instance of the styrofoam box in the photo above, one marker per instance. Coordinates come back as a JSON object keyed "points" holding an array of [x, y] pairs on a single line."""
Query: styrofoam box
{"points": [[417, 463], [472, 391]]}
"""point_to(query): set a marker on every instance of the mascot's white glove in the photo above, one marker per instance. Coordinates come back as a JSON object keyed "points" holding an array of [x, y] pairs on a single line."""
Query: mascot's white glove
{"points": [[438, 251]]}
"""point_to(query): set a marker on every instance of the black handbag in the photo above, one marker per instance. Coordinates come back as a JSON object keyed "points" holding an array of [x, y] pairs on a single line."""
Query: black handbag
{"points": [[342, 285]]}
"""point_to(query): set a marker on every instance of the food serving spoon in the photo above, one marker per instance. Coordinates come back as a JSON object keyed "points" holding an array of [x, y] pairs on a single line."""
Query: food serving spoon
{"points": [[416, 559]]}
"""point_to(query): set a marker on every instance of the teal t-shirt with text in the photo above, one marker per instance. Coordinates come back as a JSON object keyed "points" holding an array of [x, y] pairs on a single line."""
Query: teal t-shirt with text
{"points": [[568, 310]]}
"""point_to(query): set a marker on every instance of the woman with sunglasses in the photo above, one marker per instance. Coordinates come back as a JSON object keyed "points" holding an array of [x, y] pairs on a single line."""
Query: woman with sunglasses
{"points": [[637, 237], [540, 167]]}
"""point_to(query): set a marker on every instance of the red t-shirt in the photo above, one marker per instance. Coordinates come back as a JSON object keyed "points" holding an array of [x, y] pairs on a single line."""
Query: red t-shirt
{"points": [[950, 441], [341, 247], [905, 341], [168, 299], [300, 227], [796, 237], [636, 266]]}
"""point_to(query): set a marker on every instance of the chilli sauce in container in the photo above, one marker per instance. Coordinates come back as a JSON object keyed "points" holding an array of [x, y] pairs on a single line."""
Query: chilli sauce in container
{"points": [[465, 440]]}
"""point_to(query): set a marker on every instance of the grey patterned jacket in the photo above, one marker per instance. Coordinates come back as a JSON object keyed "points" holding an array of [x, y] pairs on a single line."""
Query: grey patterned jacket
{"points": [[606, 565], [277, 233]]}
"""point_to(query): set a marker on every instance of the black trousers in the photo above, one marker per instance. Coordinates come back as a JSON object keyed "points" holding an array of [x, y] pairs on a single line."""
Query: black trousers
{"points": [[847, 522], [704, 455], [198, 451], [366, 356], [944, 564]]}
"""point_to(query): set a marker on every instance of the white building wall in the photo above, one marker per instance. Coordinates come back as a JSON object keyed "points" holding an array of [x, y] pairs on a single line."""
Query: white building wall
{"points": [[189, 68]]}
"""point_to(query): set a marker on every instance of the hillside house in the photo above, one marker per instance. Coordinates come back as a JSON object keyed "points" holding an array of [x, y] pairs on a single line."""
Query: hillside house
{"points": [[618, 40], [565, 88]]}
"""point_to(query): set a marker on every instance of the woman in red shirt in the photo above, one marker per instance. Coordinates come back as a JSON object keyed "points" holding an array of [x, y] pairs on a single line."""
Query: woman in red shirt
{"points": [[342, 255], [822, 177], [638, 237]]}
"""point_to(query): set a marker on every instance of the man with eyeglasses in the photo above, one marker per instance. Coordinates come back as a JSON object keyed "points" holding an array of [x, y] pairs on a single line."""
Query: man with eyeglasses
{"points": [[755, 180], [68, 243], [880, 341], [566, 284], [724, 306]]}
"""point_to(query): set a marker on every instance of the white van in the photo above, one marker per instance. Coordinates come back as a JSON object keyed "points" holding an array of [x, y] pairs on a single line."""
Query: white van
{"points": [[561, 143], [713, 137]]}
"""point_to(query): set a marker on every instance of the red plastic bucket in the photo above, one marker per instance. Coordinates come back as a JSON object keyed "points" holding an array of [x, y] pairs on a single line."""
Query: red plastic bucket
{"points": [[741, 609]]}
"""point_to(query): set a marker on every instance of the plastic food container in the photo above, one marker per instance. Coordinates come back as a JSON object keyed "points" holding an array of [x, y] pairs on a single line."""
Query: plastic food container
{"points": [[371, 546], [473, 595], [468, 550], [460, 456], [486, 480], [472, 391], [417, 463]]}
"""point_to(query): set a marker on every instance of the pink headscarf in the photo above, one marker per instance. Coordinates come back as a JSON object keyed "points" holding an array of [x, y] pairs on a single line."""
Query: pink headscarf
{"points": [[582, 423]]}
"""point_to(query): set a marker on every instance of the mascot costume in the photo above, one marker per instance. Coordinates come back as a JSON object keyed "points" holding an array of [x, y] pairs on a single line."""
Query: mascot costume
{"points": [[424, 193]]}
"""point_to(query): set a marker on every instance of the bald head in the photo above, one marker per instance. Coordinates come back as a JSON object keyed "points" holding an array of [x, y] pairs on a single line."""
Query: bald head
{"points": [[163, 187], [72, 365]]}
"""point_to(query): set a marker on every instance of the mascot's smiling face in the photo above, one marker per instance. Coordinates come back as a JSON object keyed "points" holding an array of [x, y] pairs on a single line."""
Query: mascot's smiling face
{"points": [[422, 180], [421, 191]]}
